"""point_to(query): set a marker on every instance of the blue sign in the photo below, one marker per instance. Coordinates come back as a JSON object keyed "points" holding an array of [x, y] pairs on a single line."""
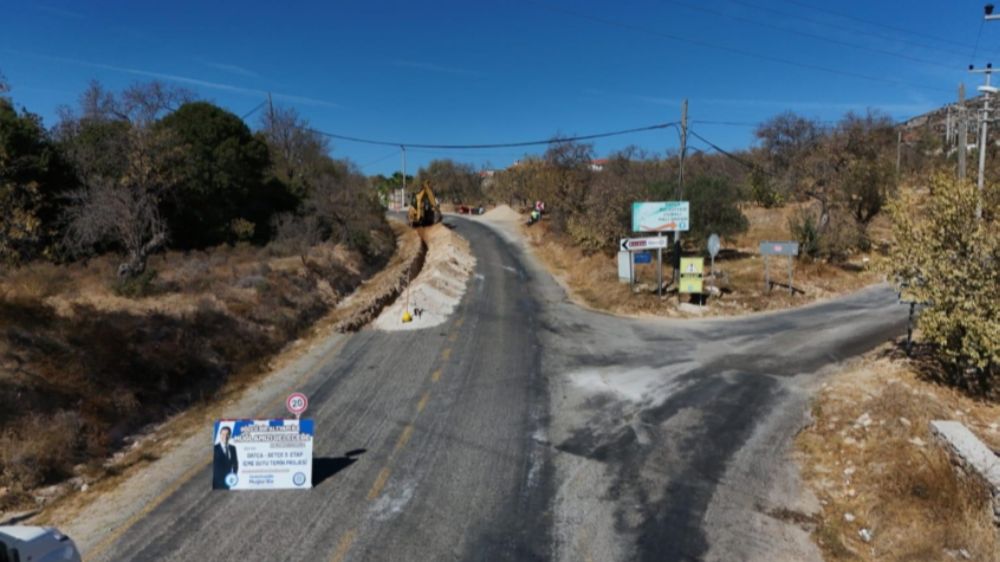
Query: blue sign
{"points": [[643, 257]]}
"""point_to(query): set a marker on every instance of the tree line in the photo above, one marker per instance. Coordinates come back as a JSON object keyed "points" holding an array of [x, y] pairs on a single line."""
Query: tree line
{"points": [[152, 168]]}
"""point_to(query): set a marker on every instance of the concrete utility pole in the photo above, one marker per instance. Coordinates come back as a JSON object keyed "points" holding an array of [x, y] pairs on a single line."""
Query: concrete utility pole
{"points": [[680, 185], [402, 191], [987, 90], [684, 138], [963, 132], [899, 149]]}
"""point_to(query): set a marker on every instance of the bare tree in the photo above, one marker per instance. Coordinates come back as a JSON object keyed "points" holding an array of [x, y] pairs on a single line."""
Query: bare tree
{"points": [[124, 211], [299, 154], [140, 103]]}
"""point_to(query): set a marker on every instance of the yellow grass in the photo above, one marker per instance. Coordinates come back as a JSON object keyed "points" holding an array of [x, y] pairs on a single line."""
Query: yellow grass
{"points": [[869, 455]]}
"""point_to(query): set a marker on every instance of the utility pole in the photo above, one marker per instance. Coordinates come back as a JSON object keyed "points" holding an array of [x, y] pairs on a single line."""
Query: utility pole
{"points": [[963, 132], [270, 109], [402, 192], [684, 137], [680, 187], [987, 90], [899, 149]]}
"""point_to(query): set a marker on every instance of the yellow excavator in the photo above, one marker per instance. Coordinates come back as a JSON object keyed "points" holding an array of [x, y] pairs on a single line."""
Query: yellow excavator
{"points": [[424, 208]]}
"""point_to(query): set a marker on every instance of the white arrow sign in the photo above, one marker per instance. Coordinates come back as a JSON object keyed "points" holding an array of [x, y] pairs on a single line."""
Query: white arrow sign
{"points": [[641, 244]]}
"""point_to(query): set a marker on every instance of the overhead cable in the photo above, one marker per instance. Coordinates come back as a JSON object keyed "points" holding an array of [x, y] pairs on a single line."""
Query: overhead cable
{"points": [[554, 140]]}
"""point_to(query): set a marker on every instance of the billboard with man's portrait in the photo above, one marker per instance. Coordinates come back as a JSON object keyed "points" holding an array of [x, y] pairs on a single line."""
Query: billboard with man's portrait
{"points": [[271, 454]]}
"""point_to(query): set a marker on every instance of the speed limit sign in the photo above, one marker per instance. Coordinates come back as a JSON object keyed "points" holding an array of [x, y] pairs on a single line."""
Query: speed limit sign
{"points": [[296, 403]]}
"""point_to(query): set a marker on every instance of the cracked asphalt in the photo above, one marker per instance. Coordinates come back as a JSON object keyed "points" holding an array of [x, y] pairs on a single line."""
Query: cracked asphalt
{"points": [[526, 428]]}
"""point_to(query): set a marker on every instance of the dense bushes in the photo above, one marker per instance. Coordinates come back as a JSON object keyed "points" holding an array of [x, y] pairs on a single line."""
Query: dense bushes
{"points": [[150, 168]]}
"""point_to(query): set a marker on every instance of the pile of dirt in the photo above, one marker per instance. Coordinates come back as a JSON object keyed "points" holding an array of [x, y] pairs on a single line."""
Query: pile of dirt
{"points": [[384, 288], [438, 288], [502, 213]]}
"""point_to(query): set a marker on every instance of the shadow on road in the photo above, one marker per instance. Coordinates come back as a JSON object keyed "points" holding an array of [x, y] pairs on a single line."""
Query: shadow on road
{"points": [[325, 467]]}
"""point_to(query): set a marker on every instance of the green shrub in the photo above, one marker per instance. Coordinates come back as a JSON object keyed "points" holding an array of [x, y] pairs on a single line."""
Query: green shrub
{"points": [[945, 257]]}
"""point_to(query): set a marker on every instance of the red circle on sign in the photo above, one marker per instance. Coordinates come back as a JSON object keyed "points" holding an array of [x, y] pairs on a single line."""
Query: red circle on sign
{"points": [[296, 403]]}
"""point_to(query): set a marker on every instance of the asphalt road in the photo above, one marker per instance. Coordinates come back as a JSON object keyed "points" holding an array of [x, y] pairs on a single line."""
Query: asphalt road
{"points": [[525, 428]]}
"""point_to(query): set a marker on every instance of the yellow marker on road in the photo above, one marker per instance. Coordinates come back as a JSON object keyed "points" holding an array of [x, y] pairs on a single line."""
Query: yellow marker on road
{"points": [[407, 317], [380, 480]]}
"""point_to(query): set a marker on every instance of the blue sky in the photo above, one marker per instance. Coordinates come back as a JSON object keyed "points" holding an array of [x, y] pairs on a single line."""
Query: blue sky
{"points": [[474, 72]]}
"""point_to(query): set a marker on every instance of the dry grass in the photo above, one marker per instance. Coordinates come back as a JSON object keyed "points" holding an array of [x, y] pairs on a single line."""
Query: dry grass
{"points": [[73, 351], [593, 279], [869, 456]]}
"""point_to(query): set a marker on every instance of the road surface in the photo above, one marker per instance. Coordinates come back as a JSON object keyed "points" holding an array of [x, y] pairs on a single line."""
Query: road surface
{"points": [[525, 428]]}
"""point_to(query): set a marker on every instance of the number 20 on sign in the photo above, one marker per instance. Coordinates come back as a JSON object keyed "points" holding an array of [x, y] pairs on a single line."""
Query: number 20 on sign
{"points": [[296, 403]]}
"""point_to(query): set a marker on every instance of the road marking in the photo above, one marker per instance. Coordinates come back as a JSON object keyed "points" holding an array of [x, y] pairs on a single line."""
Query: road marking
{"points": [[113, 536], [436, 376], [380, 480], [446, 354], [423, 402], [343, 546], [459, 322], [403, 438], [453, 337]]}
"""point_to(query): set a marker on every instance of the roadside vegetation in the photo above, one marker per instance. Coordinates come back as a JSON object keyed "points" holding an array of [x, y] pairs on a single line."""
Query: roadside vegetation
{"points": [[154, 248]]}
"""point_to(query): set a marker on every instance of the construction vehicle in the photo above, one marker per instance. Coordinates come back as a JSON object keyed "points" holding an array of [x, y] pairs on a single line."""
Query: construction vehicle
{"points": [[424, 209]]}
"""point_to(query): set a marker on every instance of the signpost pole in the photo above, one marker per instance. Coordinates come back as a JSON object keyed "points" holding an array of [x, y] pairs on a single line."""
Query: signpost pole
{"points": [[791, 291], [659, 270], [631, 270], [767, 276]]}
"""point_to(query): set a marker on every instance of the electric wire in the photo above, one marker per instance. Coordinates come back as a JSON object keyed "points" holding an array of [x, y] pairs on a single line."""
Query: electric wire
{"points": [[848, 29], [731, 50], [848, 44], [254, 110], [975, 49], [554, 140], [380, 159], [722, 151], [875, 23]]}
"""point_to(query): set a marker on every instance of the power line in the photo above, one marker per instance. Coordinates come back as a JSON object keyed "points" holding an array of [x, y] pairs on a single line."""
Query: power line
{"points": [[254, 110], [381, 159], [722, 151], [809, 35], [875, 23], [816, 21], [554, 140], [732, 50], [979, 34]]}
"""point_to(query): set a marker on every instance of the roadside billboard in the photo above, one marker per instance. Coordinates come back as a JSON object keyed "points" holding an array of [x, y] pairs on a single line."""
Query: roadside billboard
{"points": [[272, 454], [660, 216]]}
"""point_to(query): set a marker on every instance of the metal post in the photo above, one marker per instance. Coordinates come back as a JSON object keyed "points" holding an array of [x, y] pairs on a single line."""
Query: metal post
{"points": [[909, 329], [767, 276], [899, 149], [982, 149], [659, 269], [963, 132], [791, 291], [403, 192]]}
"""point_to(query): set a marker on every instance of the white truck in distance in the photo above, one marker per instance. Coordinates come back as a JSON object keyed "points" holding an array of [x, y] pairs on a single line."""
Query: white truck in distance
{"points": [[36, 544]]}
